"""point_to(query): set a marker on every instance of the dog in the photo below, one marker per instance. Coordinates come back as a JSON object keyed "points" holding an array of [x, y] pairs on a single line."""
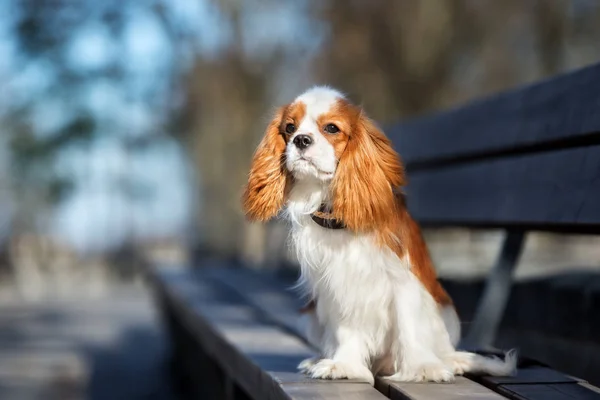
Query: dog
{"points": [[376, 306]]}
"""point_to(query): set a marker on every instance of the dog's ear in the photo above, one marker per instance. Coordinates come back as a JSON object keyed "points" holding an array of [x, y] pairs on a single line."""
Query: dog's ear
{"points": [[367, 175], [265, 193]]}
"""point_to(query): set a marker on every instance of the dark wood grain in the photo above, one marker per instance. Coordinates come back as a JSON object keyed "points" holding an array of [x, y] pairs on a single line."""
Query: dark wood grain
{"points": [[462, 388], [332, 390], [560, 111], [558, 191], [540, 383], [529, 375], [557, 391]]}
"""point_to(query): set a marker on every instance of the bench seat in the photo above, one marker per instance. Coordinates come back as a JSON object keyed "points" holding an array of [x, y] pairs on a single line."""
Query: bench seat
{"points": [[236, 334]]}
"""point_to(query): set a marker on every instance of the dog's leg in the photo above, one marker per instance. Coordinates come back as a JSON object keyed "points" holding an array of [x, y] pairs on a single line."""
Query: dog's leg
{"points": [[422, 336], [349, 359]]}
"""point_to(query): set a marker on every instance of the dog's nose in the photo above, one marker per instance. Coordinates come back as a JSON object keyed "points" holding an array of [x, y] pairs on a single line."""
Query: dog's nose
{"points": [[302, 141]]}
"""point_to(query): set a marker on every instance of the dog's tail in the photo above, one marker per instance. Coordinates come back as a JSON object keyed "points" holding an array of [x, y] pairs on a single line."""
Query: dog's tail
{"points": [[463, 361]]}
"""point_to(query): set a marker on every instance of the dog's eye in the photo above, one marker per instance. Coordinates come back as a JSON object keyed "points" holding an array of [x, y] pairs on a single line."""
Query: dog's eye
{"points": [[290, 128], [331, 128]]}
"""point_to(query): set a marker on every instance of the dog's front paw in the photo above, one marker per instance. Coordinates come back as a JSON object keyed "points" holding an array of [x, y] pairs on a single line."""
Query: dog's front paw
{"points": [[330, 369], [434, 373], [431, 372], [306, 364]]}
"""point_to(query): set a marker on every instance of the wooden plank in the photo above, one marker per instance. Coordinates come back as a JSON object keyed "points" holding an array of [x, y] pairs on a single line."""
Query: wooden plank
{"points": [[527, 376], [272, 298], [540, 383], [462, 388], [259, 357], [557, 110], [553, 191], [337, 390], [557, 391], [589, 387]]}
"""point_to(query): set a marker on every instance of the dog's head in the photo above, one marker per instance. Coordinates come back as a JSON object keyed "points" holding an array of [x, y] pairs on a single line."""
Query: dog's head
{"points": [[321, 136]]}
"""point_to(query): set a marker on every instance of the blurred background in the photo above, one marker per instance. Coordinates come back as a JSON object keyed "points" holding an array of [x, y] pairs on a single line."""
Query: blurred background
{"points": [[127, 127]]}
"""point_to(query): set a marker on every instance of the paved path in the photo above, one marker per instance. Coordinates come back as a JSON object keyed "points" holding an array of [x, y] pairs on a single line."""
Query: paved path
{"points": [[82, 348]]}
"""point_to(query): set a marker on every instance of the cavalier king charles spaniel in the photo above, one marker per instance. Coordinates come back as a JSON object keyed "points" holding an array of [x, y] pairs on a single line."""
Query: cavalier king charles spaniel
{"points": [[376, 304]]}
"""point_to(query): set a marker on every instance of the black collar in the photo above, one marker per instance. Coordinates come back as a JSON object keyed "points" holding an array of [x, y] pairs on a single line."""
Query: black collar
{"points": [[329, 223]]}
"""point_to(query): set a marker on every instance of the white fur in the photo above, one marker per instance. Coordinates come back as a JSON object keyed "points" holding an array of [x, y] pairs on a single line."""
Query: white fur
{"points": [[373, 315]]}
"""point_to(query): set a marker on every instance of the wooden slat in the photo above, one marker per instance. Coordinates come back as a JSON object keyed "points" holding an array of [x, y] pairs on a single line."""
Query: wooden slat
{"points": [[259, 357], [279, 304], [554, 191], [540, 383], [557, 391], [528, 376], [273, 297], [331, 390], [559, 110], [589, 387], [462, 388]]}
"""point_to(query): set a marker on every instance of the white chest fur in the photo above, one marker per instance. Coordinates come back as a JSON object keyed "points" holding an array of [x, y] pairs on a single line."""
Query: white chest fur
{"points": [[350, 275], [345, 270]]}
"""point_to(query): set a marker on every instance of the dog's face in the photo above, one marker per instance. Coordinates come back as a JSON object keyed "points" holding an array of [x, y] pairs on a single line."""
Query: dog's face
{"points": [[322, 136], [316, 128]]}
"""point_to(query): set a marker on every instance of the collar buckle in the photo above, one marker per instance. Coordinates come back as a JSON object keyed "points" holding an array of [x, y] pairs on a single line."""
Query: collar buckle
{"points": [[324, 219]]}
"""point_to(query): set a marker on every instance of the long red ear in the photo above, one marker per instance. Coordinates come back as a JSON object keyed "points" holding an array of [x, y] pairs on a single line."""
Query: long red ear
{"points": [[368, 172], [264, 194]]}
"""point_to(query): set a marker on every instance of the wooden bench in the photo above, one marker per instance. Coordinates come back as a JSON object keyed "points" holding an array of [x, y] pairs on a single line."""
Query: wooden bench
{"points": [[523, 160], [236, 334]]}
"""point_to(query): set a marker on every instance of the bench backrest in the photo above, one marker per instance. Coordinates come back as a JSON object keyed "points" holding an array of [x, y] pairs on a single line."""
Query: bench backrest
{"points": [[528, 158]]}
